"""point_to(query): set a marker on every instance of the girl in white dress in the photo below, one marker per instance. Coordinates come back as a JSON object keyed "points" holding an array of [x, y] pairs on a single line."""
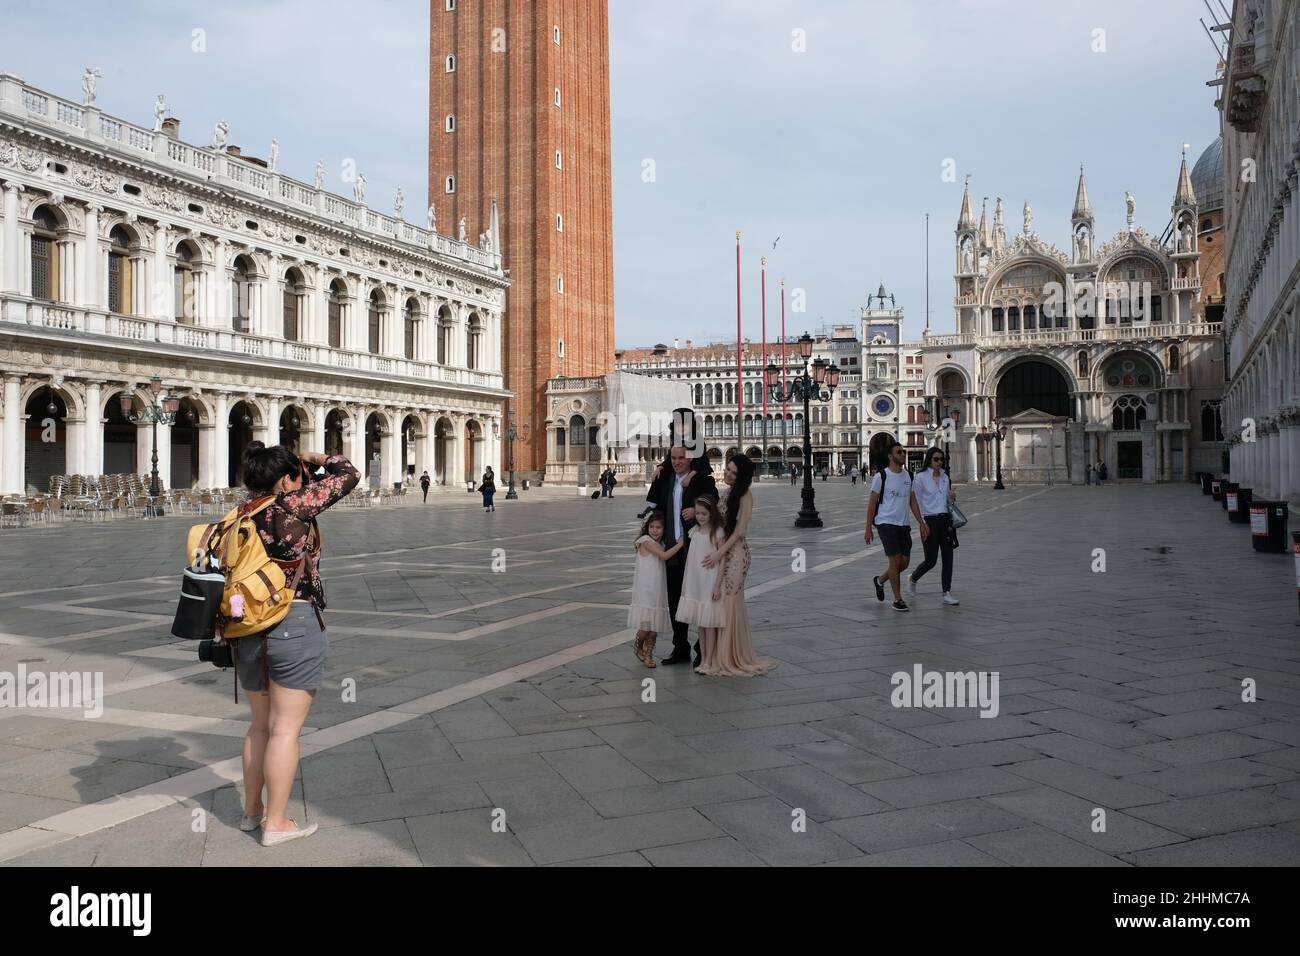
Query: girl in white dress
{"points": [[648, 612], [701, 601]]}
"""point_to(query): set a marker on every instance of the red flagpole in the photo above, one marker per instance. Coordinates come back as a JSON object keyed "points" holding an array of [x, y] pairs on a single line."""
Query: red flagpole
{"points": [[740, 398], [764, 287], [783, 429]]}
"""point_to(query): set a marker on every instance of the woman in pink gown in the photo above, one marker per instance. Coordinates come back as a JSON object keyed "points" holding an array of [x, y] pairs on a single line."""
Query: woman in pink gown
{"points": [[733, 655]]}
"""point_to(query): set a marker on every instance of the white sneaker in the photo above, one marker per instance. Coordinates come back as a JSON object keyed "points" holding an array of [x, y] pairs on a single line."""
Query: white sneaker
{"points": [[949, 599], [911, 588], [276, 837]]}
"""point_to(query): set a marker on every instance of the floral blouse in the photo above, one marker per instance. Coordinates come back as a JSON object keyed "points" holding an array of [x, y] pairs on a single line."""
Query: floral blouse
{"points": [[286, 525]]}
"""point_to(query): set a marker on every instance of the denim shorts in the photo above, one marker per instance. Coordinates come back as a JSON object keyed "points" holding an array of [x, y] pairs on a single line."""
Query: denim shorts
{"points": [[295, 652]]}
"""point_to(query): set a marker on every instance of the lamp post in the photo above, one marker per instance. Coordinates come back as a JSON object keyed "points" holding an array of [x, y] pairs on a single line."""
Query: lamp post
{"points": [[511, 434], [157, 410], [805, 387], [999, 435]]}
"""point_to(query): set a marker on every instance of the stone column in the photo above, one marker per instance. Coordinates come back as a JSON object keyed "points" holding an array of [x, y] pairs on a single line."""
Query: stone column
{"points": [[1078, 451], [1148, 452], [219, 306], [318, 412], [162, 303], [355, 437], [12, 240], [12, 455], [272, 421], [92, 279], [220, 476], [456, 450], [389, 451], [1291, 449], [92, 433]]}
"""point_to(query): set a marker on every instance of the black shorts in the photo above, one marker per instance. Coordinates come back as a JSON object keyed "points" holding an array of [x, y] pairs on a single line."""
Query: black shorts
{"points": [[896, 539]]}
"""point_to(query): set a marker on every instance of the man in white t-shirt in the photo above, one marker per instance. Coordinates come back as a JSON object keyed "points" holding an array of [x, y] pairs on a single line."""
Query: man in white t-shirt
{"points": [[887, 508]]}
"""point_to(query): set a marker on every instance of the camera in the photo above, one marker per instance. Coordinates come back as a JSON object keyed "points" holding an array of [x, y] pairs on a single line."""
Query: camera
{"points": [[216, 653]]}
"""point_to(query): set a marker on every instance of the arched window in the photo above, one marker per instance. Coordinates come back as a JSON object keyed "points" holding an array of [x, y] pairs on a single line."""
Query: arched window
{"points": [[1128, 414], [708, 425], [119, 271], [473, 341], [577, 438], [185, 281], [241, 294], [1013, 319], [708, 394], [699, 394], [451, 123], [1175, 359], [444, 335], [1211, 423], [1031, 318], [295, 294], [373, 324], [45, 254], [408, 328], [557, 96], [337, 291], [998, 320], [450, 63], [450, 184], [1081, 362]]}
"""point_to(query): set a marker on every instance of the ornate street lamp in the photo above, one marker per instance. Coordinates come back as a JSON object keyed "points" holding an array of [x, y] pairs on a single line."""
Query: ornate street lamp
{"points": [[805, 387], [156, 410], [511, 434], [999, 435]]}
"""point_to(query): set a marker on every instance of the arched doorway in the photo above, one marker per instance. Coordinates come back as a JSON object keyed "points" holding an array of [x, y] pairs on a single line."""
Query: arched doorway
{"points": [[119, 439], [411, 432], [242, 418], [46, 438], [185, 445], [376, 425], [444, 438], [1033, 385], [292, 422], [475, 460], [878, 450], [335, 426]]}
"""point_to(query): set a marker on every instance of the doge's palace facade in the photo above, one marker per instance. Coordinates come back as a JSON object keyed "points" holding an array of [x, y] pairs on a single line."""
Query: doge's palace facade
{"points": [[275, 309]]}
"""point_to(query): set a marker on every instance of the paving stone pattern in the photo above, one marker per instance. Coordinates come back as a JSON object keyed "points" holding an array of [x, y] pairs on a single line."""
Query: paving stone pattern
{"points": [[515, 697]]}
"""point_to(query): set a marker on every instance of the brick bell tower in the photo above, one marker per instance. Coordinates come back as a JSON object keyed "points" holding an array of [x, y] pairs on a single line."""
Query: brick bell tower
{"points": [[519, 113]]}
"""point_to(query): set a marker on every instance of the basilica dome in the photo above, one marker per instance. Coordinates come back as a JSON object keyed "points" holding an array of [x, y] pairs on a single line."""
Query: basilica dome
{"points": [[1207, 177]]}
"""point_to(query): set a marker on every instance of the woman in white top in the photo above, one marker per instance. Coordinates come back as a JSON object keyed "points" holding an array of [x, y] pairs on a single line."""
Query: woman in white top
{"points": [[933, 491]]}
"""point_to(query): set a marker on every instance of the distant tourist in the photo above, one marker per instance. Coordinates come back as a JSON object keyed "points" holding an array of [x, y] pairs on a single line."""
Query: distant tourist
{"points": [[887, 508], [794, 475], [1102, 472], [853, 475], [488, 488], [1087, 473], [424, 484], [933, 491]]}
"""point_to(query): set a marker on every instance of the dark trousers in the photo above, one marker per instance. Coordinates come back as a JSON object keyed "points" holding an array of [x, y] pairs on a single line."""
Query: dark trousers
{"points": [[426, 492], [681, 632], [937, 541]]}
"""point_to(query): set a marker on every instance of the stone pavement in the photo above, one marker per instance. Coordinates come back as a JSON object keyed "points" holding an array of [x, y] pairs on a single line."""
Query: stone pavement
{"points": [[514, 696]]}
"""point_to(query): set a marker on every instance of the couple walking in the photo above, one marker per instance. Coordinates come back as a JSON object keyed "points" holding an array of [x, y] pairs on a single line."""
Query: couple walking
{"points": [[692, 560], [928, 496]]}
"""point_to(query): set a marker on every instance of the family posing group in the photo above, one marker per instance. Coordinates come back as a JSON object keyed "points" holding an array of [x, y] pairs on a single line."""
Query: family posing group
{"points": [[692, 559]]}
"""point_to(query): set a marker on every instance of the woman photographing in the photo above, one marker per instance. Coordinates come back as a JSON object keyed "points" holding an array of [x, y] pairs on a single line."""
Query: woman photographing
{"points": [[282, 669]]}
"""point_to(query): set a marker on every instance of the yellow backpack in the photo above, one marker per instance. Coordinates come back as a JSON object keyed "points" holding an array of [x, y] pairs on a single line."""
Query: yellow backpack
{"points": [[255, 592]]}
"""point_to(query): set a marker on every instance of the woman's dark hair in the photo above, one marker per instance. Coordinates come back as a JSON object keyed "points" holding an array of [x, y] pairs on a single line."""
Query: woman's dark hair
{"points": [[929, 456], [263, 466], [744, 477]]}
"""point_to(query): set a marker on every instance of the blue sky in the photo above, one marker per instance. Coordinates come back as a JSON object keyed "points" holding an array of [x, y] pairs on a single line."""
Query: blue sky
{"points": [[838, 149]]}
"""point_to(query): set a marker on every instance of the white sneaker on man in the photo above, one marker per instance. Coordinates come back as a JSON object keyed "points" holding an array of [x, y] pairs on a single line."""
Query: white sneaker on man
{"points": [[949, 599]]}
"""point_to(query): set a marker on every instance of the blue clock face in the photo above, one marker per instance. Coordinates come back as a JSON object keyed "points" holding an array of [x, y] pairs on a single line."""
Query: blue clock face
{"points": [[883, 406]]}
